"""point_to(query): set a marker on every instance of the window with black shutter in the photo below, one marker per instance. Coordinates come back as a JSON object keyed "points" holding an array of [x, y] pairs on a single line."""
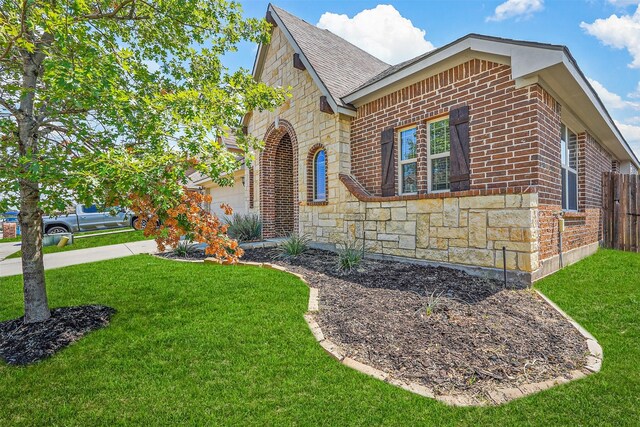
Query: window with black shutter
{"points": [[460, 150]]}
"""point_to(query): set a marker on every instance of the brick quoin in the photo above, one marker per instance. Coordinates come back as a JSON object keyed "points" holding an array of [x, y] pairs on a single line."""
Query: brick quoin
{"points": [[279, 181]]}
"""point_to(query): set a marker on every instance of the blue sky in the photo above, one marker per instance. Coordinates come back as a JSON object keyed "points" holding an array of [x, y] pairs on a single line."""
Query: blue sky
{"points": [[603, 35]]}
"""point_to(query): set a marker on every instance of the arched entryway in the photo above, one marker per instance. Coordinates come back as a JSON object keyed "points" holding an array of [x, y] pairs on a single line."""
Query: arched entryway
{"points": [[278, 182]]}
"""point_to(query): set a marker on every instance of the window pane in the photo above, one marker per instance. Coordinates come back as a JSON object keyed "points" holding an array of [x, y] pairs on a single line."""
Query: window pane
{"points": [[440, 174], [408, 144], [564, 188], [572, 189], [90, 209], [320, 176], [439, 136], [409, 178], [573, 150], [563, 145]]}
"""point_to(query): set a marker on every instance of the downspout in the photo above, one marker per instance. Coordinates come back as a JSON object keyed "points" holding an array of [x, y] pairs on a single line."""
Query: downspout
{"points": [[560, 231]]}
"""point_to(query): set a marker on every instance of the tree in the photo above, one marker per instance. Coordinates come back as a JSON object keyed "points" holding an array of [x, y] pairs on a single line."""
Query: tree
{"points": [[100, 100]]}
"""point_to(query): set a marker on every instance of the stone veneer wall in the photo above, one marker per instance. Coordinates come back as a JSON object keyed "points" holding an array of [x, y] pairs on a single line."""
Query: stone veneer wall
{"points": [[312, 129], [469, 228]]}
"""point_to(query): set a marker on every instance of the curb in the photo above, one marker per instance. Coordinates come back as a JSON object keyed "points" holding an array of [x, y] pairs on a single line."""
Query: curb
{"points": [[498, 396]]}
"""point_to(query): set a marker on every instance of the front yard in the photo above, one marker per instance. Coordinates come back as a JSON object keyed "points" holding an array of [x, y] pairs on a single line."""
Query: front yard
{"points": [[203, 344]]}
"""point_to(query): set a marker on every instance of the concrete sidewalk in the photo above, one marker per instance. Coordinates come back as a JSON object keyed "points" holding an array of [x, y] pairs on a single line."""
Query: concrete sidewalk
{"points": [[12, 267], [7, 249]]}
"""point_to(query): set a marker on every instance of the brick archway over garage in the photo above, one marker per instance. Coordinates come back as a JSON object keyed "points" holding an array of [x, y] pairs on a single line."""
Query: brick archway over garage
{"points": [[279, 181]]}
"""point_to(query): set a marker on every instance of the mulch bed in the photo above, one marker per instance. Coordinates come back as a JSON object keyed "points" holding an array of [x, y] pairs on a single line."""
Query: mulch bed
{"points": [[22, 344], [478, 337]]}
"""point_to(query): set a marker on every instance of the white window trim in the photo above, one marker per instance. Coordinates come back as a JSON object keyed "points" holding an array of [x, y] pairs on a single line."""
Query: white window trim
{"points": [[406, 162], [315, 176], [567, 129], [431, 157]]}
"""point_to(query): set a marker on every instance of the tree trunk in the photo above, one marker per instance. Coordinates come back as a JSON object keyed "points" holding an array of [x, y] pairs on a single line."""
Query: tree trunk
{"points": [[36, 306]]}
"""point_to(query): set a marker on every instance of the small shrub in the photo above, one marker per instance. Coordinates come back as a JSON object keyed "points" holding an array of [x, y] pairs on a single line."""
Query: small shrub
{"points": [[185, 249], [349, 255], [432, 303], [294, 245], [245, 227]]}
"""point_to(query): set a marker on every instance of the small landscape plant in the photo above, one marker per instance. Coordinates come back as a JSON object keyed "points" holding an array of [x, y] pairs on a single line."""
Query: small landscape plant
{"points": [[185, 249], [294, 245], [432, 303], [245, 227], [349, 255]]}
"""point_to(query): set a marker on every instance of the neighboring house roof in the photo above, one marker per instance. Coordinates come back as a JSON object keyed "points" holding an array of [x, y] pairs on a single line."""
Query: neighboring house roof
{"points": [[337, 66]]}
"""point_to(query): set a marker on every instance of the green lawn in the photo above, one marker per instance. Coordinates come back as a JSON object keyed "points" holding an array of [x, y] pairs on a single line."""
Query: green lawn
{"points": [[13, 239], [217, 345], [102, 239]]}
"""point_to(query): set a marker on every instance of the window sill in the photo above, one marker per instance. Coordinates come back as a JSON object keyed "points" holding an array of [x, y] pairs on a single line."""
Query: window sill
{"points": [[574, 215]]}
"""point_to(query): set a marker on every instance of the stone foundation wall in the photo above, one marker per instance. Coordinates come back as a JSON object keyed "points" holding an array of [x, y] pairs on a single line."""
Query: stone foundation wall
{"points": [[468, 230]]}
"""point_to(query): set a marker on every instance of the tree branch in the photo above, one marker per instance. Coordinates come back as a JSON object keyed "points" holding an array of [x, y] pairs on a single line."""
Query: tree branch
{"points": [[131, 16]]}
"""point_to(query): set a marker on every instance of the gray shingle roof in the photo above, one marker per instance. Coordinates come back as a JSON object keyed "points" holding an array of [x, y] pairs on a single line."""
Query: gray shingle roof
{"points": [[341, 66]]}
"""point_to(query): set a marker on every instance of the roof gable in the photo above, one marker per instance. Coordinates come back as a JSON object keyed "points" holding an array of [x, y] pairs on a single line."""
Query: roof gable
{"points": [[337, 66]]}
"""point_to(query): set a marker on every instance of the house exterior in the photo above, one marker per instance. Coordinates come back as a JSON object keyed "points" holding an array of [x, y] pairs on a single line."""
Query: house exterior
{"points": [[234, 195], [483, 153]]}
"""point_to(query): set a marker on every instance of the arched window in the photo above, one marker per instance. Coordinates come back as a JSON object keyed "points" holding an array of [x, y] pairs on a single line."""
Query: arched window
{"points": [[320, 176]]}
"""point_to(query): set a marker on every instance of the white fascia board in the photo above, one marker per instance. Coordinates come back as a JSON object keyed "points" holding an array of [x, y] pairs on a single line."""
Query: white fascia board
{"points": [[305, 61]]}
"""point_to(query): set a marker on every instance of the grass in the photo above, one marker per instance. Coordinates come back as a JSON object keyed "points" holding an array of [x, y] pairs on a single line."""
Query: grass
{"points": [[102, 239], [216, 345], [13, 239]]}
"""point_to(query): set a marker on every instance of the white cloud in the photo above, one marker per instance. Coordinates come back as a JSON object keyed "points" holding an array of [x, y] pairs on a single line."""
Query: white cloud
{"points": [[516, 9], [380, 31], [636, 93], [611, 100], [620, 32], [632, 134]]}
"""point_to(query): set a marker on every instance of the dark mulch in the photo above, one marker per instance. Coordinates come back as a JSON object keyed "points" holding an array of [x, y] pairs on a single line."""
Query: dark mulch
{"points": [[479, 336], [22, 344], [196, 255]]}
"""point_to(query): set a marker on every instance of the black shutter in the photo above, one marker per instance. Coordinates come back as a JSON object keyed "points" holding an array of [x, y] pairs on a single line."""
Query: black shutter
{"points": [[388, 165], [459, 162]]}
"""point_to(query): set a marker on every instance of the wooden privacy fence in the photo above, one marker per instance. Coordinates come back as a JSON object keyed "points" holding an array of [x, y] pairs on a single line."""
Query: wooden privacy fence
{"points": [[621, 222]]}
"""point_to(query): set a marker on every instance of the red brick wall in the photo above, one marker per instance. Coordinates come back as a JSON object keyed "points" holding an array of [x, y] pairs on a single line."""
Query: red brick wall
{"points": [[593, 161], [503, 125], [284, 189], [585, 227], [279, 181], [547, 136]]}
